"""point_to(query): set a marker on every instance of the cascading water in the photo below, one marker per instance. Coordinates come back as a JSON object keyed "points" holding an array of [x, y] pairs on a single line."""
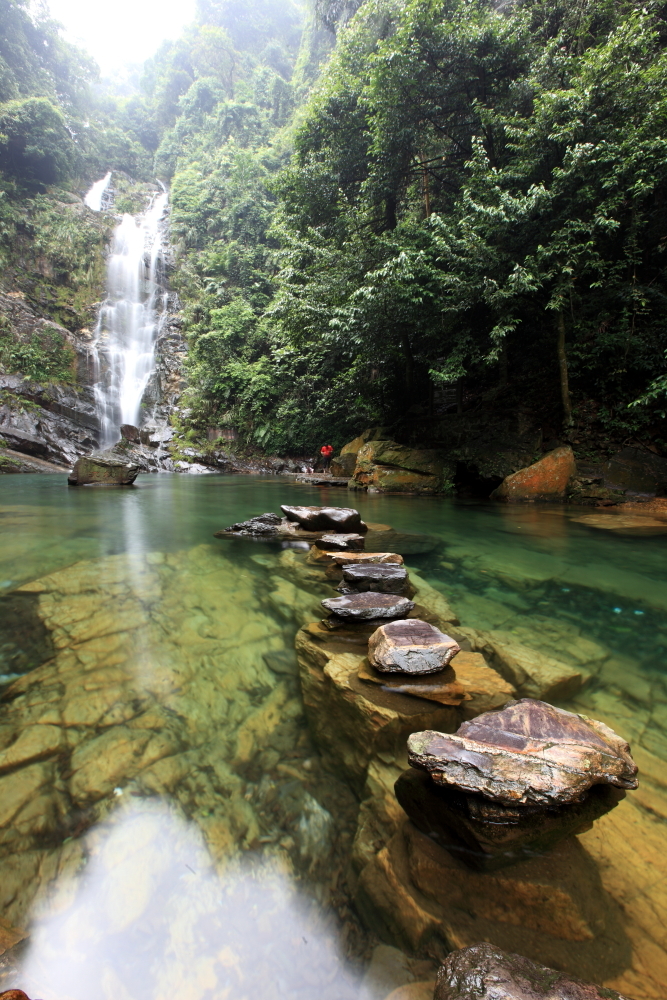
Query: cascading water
{"points": [[130, 318]]}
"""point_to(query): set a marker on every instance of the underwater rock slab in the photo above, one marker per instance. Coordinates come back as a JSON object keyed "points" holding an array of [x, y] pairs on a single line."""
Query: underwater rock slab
{"points": [[485, 687], [103, 468], [410, 646], [552, 908], [368, 605], [484, 972], [338, 519], [528, 753], [352, 721], [382, 578], [486, 835]]}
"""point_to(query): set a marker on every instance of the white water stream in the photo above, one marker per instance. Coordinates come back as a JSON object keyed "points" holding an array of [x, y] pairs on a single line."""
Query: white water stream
{"points": [[130, 317]]}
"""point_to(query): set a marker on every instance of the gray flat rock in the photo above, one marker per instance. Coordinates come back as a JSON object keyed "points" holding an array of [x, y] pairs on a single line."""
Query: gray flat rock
{"points": [[410, 647], [339, 543], [383, 578], [368, 605]]}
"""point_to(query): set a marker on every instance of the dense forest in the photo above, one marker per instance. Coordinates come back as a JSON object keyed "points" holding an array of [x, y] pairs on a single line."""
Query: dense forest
{"points": [[380, 213]]}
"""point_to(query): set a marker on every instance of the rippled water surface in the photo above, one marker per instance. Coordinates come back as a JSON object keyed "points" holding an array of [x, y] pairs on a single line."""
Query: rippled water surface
{"points": [[166, 824]]}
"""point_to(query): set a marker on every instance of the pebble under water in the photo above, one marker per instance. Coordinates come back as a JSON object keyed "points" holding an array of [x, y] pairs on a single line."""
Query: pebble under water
{"points": [[166, 822]]}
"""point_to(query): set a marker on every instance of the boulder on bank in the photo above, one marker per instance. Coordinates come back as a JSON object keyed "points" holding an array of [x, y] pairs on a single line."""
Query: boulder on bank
{"points": [[412, 647], [342, 520], [344, 465], [544, 480], [104, 468], [484, 972], [530, 753], [388, 467]]}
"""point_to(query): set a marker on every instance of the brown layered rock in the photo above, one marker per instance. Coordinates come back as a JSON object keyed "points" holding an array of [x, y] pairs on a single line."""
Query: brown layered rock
{"points": [[544, 480], [338, 519], [104, 468], [341, 542], [442, 687], [368, 605], [387, 578], [485, 687], [529, 753], [486, 835], [338, 559], [410, 646], [388, 467], [484, 972]]}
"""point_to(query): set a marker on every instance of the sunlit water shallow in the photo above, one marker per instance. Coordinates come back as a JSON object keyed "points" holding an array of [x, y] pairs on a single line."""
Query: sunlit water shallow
{"points": [[166, 823]]}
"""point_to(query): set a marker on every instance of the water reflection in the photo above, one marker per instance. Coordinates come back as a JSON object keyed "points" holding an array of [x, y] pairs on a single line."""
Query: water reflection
{"points": [[150, 917]]}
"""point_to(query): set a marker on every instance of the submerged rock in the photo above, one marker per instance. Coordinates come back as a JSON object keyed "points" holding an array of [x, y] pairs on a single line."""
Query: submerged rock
{"points": [[341, 542], [529, 753], [487, 835], [411, 647], [544, 480], [338, 519], [383, 578], [484, 972], [368, 605], [104, 468]]}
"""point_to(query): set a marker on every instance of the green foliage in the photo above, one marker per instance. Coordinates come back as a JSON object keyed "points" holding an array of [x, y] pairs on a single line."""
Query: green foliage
{"points": [[45, 357], [35, 144]]}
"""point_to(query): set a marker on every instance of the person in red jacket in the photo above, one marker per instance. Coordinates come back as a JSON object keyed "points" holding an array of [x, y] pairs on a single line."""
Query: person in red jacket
{"points": [[326, 451]]}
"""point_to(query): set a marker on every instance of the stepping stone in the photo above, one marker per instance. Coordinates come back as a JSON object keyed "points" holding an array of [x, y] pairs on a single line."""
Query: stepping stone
{"points": [[442, 688], [263, 524], [484, 972], [344, 558], [368, 605], [410, 646], [530, 753], [338, 542], [338, 519], [383, 578]]}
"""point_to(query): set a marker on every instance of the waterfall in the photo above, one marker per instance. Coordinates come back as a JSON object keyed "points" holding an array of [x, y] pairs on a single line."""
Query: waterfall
{"points": [[95, 197], [130, 318]]}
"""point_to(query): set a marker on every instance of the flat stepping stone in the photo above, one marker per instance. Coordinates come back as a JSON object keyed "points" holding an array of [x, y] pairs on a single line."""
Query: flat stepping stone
{"points": [[383, 578], [442, 688], [338, 519], [529, 753], [368, 605], [410, 647], [339, 542]]}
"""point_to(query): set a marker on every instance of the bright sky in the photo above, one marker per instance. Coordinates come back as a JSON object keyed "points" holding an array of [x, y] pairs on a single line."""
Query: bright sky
{"points": [[125, 31]]}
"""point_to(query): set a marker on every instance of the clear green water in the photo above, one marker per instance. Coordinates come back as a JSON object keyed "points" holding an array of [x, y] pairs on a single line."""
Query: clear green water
{"points": [[170, 827]]}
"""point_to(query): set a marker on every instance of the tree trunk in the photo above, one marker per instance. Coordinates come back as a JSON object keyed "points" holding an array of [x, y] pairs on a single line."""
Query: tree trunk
{"points": [[503, 366], [459, 395], [409, 365], [562, 366]]}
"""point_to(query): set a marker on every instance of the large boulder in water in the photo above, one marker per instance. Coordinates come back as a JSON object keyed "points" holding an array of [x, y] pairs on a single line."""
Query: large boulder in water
{"points": [[104, 468], [389, 467], [544, 480]]}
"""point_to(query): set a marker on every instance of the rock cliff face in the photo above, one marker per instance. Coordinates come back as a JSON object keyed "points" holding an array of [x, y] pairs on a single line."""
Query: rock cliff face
{"points": [[58, 422]]}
